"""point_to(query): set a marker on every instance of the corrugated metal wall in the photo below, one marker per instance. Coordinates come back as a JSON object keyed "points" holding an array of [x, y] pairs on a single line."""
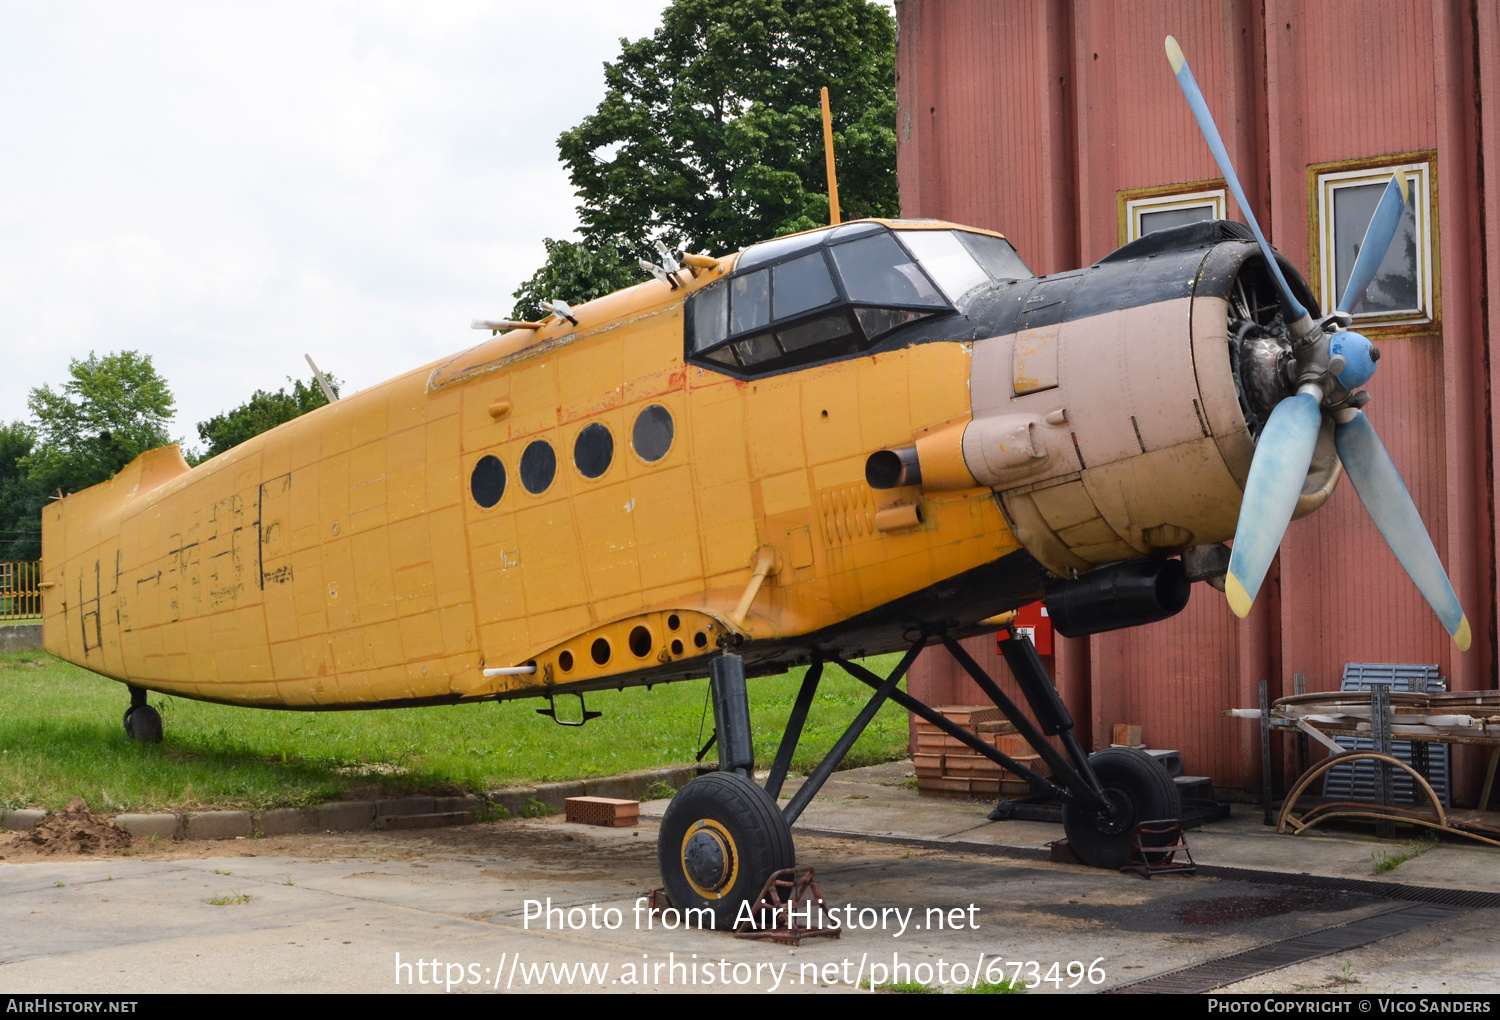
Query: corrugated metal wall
{"points": [[1030, 118]]}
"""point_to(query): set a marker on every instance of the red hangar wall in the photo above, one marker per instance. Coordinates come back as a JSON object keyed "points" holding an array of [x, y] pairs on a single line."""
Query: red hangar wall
{"points": [[1060, 125]]}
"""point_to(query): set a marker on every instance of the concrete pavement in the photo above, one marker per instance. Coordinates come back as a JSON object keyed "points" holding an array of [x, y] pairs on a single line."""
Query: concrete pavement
{"points": [[372, 911]]}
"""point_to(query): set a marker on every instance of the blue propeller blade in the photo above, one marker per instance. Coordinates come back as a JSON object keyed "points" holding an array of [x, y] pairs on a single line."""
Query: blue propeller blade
{"points": [[1295, 311], [1378, 237], [1389, 505], [1282, 456]]}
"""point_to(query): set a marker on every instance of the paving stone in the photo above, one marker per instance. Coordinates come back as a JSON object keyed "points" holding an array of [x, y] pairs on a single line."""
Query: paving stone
{"points": [[162, 826], [512, 800], [21, 819], [216, 824], [436, 820], [21, 637], [342, 815], [399, 806], [282, 822]]}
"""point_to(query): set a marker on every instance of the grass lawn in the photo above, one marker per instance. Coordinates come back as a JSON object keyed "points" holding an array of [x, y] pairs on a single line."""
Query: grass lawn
{"points": [[61, 736]]}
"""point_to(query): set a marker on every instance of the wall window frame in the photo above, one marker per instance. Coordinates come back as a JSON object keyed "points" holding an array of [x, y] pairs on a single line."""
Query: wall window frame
{"points": [[1324, 181], [1133, 203]]}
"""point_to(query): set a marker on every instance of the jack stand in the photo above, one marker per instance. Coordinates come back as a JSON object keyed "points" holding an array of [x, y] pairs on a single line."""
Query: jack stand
{"points": [[783, 905]]}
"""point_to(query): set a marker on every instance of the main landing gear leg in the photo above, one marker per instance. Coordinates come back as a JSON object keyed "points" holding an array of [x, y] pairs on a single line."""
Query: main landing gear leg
{"points": [[1104, 796], [722, 837], [142, 722], [1113, 791]]}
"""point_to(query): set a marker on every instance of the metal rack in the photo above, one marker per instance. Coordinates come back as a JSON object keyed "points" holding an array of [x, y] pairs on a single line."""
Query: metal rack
{"points": [[1383, 717]]}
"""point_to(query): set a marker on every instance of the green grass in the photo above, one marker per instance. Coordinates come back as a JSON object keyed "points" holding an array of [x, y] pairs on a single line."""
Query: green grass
{"points": [[903, 988], [61, 736], [1001, 987], [233, 899], [1387, 861]]}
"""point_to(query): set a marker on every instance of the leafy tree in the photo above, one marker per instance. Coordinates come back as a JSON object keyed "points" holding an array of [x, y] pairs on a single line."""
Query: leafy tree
{"points": [[710, 137], [574, 272], [21, 496], [261, 413], [111, 411], [710, 134]]}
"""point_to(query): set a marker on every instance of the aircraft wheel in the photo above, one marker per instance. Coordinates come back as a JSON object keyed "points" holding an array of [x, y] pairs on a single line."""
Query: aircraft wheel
{"points": [[1139, 788], [721, 839], [143, 723]]}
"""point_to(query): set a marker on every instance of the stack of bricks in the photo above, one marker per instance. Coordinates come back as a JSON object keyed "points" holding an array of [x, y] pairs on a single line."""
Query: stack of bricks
{"points": [[947, 767]]}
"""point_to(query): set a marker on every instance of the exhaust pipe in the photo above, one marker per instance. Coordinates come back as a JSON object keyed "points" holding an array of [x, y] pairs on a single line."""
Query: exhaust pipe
{"points": [[1120, 595]]}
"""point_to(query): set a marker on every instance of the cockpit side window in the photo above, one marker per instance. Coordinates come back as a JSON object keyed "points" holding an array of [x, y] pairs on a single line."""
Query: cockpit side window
{"points": [[749, 301], [834, 293], [801, 285], [996, 255], [947, 260]]}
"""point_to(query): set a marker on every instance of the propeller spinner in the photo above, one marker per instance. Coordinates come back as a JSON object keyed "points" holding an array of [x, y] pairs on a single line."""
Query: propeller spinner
{"points": [[1331, 362]]}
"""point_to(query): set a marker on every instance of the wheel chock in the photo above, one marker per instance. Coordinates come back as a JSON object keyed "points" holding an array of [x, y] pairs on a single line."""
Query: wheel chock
{"points": [[789, 909], [1166, 840]]}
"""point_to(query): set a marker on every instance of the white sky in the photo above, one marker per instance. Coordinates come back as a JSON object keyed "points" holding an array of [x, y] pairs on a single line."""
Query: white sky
{"points": [[227, 186]]}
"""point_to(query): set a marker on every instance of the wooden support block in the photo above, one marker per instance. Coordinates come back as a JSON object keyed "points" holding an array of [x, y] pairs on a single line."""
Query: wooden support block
{"points": [[1128, 734], [607, 811]]}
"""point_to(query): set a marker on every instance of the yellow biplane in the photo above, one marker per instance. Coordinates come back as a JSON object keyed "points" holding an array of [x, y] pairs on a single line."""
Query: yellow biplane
{"points": [[865, 438]]}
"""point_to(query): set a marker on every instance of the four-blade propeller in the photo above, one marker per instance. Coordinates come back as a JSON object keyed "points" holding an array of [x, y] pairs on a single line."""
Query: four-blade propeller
{"points": [[1332, 361]]}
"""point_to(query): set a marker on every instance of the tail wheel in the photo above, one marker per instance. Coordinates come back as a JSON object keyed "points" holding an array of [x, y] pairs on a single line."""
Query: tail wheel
{"points": [[143, 723], [722, 837], [1138, 789]]}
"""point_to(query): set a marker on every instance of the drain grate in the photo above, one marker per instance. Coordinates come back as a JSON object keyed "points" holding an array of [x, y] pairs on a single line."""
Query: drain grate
{"points": [[1205, 977]]}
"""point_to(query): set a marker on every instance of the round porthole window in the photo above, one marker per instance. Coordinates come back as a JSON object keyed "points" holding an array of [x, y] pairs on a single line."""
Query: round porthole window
{"points": [[593, 450], [652, 435], [487, 483], [538, 466]]}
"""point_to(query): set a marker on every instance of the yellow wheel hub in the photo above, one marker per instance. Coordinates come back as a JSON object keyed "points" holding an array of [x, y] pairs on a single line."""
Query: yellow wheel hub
{"points": [[710, 860]]}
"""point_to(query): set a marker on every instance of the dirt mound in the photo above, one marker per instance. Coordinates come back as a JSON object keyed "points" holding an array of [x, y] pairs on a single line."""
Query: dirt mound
{"points": [[73, 830]]}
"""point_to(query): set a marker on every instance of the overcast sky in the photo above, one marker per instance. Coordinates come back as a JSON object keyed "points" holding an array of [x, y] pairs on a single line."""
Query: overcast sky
{"points": [[226, 187]]}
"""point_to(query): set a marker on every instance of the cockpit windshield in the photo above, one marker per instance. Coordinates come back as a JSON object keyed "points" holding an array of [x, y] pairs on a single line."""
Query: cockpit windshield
{"points": [[833, 293]]}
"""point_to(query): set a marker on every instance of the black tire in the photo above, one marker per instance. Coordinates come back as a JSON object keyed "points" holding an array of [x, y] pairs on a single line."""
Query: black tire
{"points": [[1141, 790], [143, 723], [720, 840]]}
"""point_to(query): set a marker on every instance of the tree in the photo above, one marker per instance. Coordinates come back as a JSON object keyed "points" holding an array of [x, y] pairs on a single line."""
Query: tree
{"points": [[574, 272], [111, 411], [21, 496], [710, 137], [261, 413], [710, 134]]}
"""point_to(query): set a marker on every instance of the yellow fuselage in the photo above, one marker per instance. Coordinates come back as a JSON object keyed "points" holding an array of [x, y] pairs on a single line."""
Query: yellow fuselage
{"points": [[343, 560]]}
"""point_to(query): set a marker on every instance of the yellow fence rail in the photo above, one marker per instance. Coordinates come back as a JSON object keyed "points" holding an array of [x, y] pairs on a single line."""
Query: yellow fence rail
{"points": [[20, 596]]}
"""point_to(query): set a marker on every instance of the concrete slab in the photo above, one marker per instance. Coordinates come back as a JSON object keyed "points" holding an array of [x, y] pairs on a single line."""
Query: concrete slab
{"points": [[399, 806], [21, 637], [162, 826], [216, 825], [472, 906], [469, 905], [282, 822], [434, 820], [21, 819], [342, 815]]}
